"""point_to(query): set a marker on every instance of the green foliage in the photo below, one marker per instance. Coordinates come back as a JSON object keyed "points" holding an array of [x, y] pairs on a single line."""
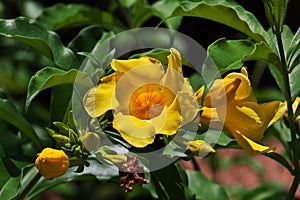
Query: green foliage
{"points": [[36, 35], [50, 77], [205, 188], [225, 12], [63, 16], [45, 59]]}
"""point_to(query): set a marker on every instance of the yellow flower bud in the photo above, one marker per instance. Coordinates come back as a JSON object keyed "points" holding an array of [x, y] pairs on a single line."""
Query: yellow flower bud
{"points": [[118, 158], [52, 163], [91, 141], [198, 147]]}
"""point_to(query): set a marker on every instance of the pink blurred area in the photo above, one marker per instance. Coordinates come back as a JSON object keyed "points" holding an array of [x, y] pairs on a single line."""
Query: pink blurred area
{"points": [[243, 175]]}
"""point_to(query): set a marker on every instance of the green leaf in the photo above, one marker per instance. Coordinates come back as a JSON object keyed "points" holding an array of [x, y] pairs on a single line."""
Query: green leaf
{"points": [[50, 77], [231, 54], [10, 114], [169, 183], [276, 11], [14, 185], [141, 13], [10, 189], [205, 188], [294, 45], [61, 16], [36, 35], [60, 105], [100, 171], [164, 8], [225, 12], [294, 76], [86, 39]]}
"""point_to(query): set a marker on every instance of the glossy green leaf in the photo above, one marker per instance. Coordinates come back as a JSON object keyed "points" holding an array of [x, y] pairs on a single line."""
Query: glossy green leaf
{"points": [[164, 8], [295, 82], [169, 183], [205, 188], [60, 105], [95, 170], [11, 189], [294, 46], [50, 77], [231, 54], [86, 39], [225, 12], [61, 16], [141, 12], [287, 37], [10, 114], [36, 35], [14, 185], [276, 11]]}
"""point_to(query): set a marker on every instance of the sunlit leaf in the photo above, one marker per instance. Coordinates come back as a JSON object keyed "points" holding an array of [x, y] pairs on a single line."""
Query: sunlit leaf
{"points": [[164, 8], [36, 35], [225, 12], [61, 16], [231, 55], [49, 77]]}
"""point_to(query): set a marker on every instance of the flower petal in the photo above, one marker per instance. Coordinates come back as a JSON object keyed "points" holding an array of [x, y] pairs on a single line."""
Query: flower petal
{"points": [[169, 120], [101, 98], [244, 91], [136, 132], [174, 60], [273, 111], [213, 117], [127, 65], [173, 78], [135, 79], [250, 146]]}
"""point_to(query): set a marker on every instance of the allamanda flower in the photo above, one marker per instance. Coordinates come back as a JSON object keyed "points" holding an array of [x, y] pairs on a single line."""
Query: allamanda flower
{"points": [[244, 118], [146, 98]]}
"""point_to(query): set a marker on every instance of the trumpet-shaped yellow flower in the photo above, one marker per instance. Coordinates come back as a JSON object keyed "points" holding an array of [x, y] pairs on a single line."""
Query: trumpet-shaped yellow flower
{"points": [[52, 163], [244, 118], [146, 99]]}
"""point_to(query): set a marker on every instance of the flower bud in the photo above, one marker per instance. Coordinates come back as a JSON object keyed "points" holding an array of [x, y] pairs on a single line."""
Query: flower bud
{"points": [[52, 163], [200, 147], [91, 141], [117, 158]]}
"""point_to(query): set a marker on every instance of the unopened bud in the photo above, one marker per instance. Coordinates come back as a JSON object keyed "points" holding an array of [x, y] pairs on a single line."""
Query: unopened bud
{"points": [[52, 163], [91, 141], [200, 147]]}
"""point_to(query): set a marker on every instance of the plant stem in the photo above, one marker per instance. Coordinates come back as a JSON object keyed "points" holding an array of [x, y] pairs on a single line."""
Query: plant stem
{"points": [[295, 145]]}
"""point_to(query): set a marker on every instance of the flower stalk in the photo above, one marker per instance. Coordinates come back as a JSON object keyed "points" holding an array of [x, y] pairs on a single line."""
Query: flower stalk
{"points": [[295, 144]]}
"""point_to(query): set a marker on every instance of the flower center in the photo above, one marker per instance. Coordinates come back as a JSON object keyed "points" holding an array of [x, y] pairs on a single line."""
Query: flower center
{"points": [[149, 100]]}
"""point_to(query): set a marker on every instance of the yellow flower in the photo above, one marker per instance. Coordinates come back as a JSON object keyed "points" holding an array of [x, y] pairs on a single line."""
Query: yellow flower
{"points": [[52, 163], [199, 147], [243, 117], [295, 106], [146, 99]]}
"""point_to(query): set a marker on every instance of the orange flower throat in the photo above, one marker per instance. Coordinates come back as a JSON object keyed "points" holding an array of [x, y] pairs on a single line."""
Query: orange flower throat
{"points": [[149, 101]]}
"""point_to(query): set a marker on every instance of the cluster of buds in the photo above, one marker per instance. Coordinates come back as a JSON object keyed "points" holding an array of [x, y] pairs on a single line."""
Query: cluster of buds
{"points": [[132, 173]]}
